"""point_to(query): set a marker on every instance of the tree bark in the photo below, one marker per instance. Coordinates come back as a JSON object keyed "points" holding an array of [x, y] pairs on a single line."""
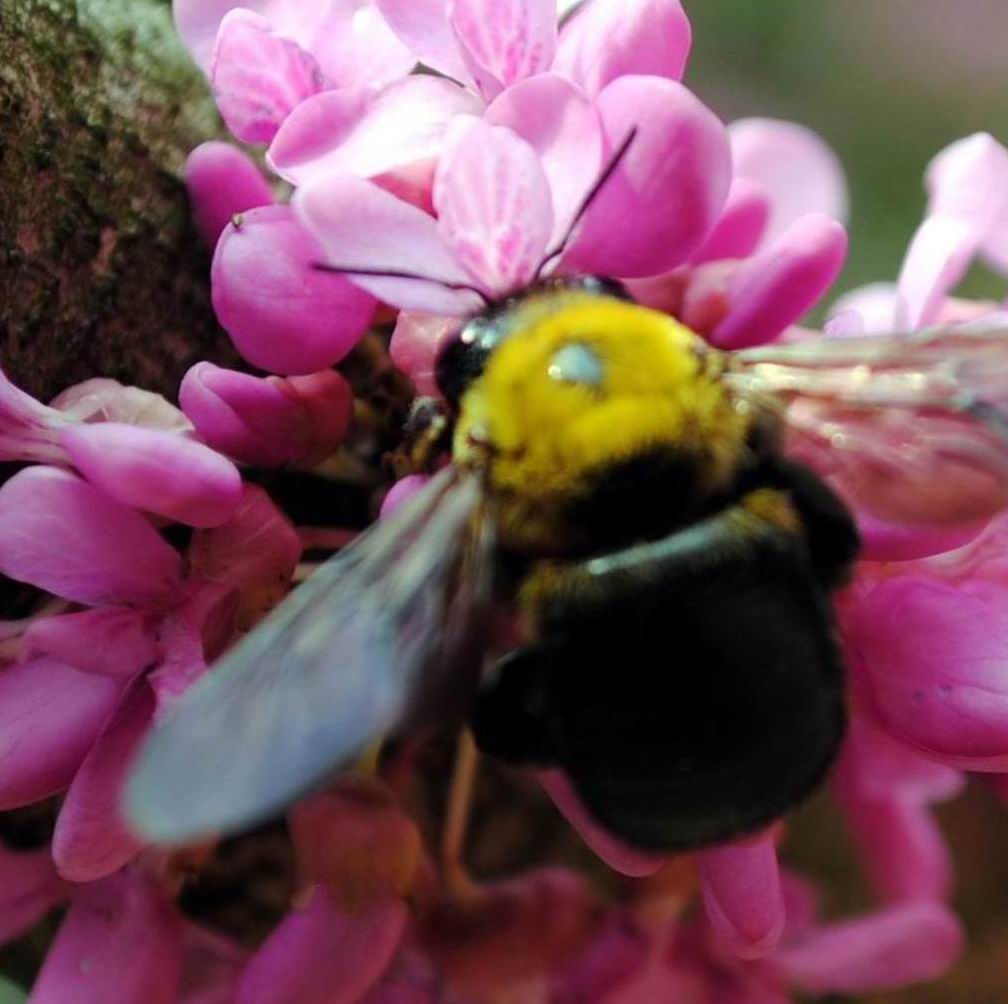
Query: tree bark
{"points": [[101, 270]]}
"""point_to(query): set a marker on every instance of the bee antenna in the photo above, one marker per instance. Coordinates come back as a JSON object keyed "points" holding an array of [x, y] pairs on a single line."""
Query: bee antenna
{"points": [[586, 203], [383, 273]]}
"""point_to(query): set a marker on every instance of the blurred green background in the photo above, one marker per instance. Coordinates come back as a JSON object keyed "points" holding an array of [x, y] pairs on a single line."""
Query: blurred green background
{"points": [[887, 82]]}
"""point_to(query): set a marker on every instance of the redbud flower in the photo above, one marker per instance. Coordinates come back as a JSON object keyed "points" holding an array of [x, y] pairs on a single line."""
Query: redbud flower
{"points": [[777, 248], [968, 205], [264, 58], [501, 213]]}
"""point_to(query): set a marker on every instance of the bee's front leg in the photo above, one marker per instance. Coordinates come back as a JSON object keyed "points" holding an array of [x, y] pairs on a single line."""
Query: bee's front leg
{"points": [[426, 438]]}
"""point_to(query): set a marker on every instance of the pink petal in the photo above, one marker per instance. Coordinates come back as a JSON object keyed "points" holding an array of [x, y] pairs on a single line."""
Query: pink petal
{"points": [[875, 765], [403, 490], [424, 26], [875, 304], [211, 969], [616, 952], [103, 400], [114, 641], [258, 78], [366, 133], [62, 535], [416, 341], [323, 954], [883, 541], [504, 41], [995, 249], [29, 889], [268, 422], [197, 22], [619, 856], [968, 181], [884, 787], [741, 225], [90, 840], [166, 474], [357, 843], [794, 166], [740, 885], [411, 979], [936, 261], [510, 932], [282, 314], [933, 659], [50, 715], [615, 38], [890, 949], [564, 129], [903, 849], [121, 942], [356, 47], [843, 324], [222, 181], [774, 289], [360, 226], [191, 637], [672, 182], [256, 551], [495, 211], [28, 429]]}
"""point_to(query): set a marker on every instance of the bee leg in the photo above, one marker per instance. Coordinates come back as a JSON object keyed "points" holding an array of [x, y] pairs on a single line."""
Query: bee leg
{"points": [[426, 437], [453, 834], [830, 531], [511, 718]]}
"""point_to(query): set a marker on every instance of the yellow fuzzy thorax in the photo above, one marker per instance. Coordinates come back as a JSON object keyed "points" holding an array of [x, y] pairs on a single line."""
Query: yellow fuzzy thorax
{"points": [[550, 439]]}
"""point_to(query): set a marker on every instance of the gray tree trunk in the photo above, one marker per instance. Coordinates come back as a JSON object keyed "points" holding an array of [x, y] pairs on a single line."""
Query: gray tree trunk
{"points": [[101, 271]]}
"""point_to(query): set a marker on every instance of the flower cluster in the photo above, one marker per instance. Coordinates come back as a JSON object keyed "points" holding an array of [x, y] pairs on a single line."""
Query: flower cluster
{"points": [[526, 144]]}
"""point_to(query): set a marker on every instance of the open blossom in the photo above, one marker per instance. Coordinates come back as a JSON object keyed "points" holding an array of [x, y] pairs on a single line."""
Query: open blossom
{"points": [[265, 57], [966, 219], [484, 50]]}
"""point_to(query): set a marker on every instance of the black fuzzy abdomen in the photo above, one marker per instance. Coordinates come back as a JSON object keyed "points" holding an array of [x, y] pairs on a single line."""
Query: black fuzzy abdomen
{"points": [[688, 714]]}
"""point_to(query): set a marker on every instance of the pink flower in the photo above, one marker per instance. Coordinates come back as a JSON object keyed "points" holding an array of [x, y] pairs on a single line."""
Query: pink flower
{"points": [[505, 204], [928, 659], [222, 182], [885, 789], [395, 136], [270, 422], [130, 444], [967, 217], [777, 247], [121, 941], [266, 57], [86, 685], [283, 315]]}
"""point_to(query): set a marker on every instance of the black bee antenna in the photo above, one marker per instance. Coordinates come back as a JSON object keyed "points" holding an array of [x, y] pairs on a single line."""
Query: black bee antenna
{"points": [[382, 273], [589, 198]]}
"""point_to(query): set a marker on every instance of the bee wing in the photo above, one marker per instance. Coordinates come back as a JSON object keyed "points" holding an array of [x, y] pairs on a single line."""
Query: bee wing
{"points": [[337, 664], [913, 428]]}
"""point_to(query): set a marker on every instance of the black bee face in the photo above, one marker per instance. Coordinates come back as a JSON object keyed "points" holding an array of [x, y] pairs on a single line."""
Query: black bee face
{"points": [[464, 356]]}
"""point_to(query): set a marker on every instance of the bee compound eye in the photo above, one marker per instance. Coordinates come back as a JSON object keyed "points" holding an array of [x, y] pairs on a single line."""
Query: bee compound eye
{"points": [[578, 364], [463, 357]]}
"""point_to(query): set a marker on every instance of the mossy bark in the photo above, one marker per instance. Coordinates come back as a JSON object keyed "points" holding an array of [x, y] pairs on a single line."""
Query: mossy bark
{"points": [[101, 271]]}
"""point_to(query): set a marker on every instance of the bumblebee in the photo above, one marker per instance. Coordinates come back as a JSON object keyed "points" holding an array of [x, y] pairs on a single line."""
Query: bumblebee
{"points": [[665, 521]]}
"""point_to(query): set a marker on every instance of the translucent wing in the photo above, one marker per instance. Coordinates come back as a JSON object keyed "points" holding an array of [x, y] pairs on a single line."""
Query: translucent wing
{"points": [[340, 662], [912, 428]]}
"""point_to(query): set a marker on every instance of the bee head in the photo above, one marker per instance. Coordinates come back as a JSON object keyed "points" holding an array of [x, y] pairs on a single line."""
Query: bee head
{"points": [[579, 386], [464, 356]]}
